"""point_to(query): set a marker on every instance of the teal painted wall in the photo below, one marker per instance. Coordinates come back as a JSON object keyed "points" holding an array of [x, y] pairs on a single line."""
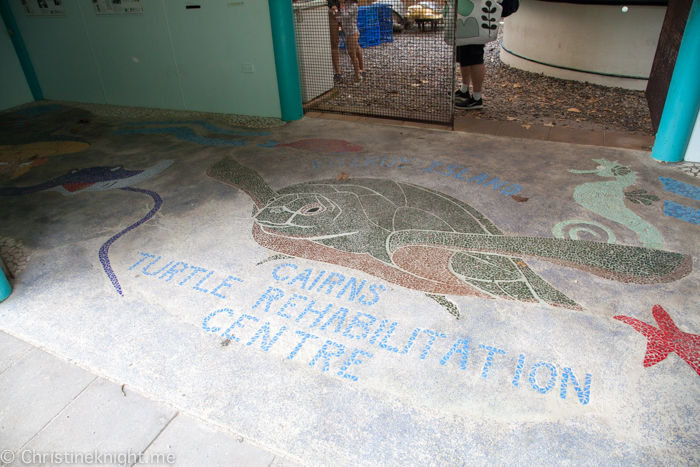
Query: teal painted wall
{"points": [[134, 57], [59, 49], [14, 89], [234, 36], [169, 57]]}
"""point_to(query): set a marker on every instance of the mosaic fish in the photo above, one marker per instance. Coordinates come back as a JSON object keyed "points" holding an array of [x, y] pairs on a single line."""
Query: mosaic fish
{"points": [[20, 158], [665, 339], [425, 240], [100, 179], [323, 146]]}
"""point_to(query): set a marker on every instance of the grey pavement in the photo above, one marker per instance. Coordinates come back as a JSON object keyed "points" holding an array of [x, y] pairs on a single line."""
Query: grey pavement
{"points": [[54, 413]]}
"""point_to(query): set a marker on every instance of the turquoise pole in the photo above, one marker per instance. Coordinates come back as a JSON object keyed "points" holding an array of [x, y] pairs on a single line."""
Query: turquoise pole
{"points": [[21, 50], [282, 20], [5, 287], [683, 100]]}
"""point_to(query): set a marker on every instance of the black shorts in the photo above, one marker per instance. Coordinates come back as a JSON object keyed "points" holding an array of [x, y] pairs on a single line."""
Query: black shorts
{"points": [[470, 54]]}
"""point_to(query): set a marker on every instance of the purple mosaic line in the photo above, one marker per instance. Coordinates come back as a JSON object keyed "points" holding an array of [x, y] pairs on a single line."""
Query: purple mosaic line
{"points": [[104, 250]]}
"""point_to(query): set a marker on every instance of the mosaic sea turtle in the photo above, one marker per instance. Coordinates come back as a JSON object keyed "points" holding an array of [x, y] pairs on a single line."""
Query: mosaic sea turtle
{"points": [[425, 240]]}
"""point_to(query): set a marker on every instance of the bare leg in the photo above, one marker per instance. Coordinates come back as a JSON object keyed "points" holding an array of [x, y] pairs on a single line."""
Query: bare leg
{"points": [[477, 74], [360, 60], [466, 75], [353, 46], [335, 42]]}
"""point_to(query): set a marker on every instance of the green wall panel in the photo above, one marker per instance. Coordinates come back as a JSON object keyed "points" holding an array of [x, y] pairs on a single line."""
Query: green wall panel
{"points": [[211, 45], [60, 51], [169, 57], [14, 89], [135, 57]]}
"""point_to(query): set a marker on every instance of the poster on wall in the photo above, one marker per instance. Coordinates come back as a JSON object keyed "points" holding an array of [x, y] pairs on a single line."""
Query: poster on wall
{"points": [[43, 7], [117, 7]]}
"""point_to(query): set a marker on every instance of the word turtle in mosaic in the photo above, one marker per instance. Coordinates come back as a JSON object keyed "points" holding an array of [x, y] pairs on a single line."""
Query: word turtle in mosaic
{"points": [[100, 179], [665, 339], [425, 240], [322, 146], [607, 199]]}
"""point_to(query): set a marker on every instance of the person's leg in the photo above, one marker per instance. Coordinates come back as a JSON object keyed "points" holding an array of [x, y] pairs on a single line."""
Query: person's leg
{"points": [[353, 45], [472, 69], [335, 42], [360, 60], [466, 77], [477, 74]]}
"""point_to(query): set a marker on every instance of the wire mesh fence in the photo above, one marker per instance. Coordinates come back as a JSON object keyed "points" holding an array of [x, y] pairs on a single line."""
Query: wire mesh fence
{"points": [[380, 60]]}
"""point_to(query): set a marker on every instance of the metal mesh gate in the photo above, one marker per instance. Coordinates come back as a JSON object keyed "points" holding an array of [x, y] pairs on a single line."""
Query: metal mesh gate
{"points": [[408, 68]]}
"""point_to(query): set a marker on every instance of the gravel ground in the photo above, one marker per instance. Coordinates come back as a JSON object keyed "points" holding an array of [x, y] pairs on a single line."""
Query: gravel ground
{"points": [[410, 78]]}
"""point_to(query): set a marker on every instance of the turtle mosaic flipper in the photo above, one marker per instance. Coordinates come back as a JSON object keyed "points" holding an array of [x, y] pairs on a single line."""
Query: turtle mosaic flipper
{"points": [[425, 240]]}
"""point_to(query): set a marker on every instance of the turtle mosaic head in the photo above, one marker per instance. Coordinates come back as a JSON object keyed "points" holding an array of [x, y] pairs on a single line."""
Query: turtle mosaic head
{"points": [[606, 169], [305, 214]]}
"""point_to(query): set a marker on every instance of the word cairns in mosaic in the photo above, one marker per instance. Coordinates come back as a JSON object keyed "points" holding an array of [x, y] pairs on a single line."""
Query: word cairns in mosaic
{"points": [[425, 240], [198, 277], [278, 305], [101, 179], [440, 168]]}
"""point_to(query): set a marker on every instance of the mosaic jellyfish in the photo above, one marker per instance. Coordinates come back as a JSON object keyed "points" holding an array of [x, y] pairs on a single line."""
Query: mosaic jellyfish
{"points": [[425, 240], [100, 179]]}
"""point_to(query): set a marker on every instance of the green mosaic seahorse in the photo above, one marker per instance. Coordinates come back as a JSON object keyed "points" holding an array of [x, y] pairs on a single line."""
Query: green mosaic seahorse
{"points": [[607, 199]]}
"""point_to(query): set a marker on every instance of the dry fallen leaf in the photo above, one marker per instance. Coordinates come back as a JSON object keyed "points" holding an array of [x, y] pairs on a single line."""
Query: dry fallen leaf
{"points": [[519, 199], [572, 109], [504, 85], [516, 85], [511, 118], [521, 264], [527, 127], [342, 176]]}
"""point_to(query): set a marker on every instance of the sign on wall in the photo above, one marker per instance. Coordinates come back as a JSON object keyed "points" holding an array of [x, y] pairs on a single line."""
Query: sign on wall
{"points": [[117, 7], [43, 7]]}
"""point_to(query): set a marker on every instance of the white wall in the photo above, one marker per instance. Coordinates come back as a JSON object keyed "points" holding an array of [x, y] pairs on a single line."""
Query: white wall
{"points": [[692, 154], [591, 38], [169, 57], [14, 89]]}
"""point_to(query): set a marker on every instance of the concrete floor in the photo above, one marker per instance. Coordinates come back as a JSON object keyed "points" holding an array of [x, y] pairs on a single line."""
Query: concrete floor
{"points": [[344, 293]]}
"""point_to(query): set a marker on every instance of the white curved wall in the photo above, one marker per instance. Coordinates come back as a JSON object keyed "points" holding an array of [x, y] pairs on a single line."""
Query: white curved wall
{"points": [[591, 38]]}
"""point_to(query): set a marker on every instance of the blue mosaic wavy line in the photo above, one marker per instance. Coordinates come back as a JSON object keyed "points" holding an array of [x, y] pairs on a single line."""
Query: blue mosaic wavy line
{"points": [[104, 250], [204, 124], [184, 134], [680, 188], [681, 212]]}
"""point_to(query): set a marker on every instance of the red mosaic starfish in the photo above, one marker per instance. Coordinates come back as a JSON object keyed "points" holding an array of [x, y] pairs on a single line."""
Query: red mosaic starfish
{"points": [[668, 338]]}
